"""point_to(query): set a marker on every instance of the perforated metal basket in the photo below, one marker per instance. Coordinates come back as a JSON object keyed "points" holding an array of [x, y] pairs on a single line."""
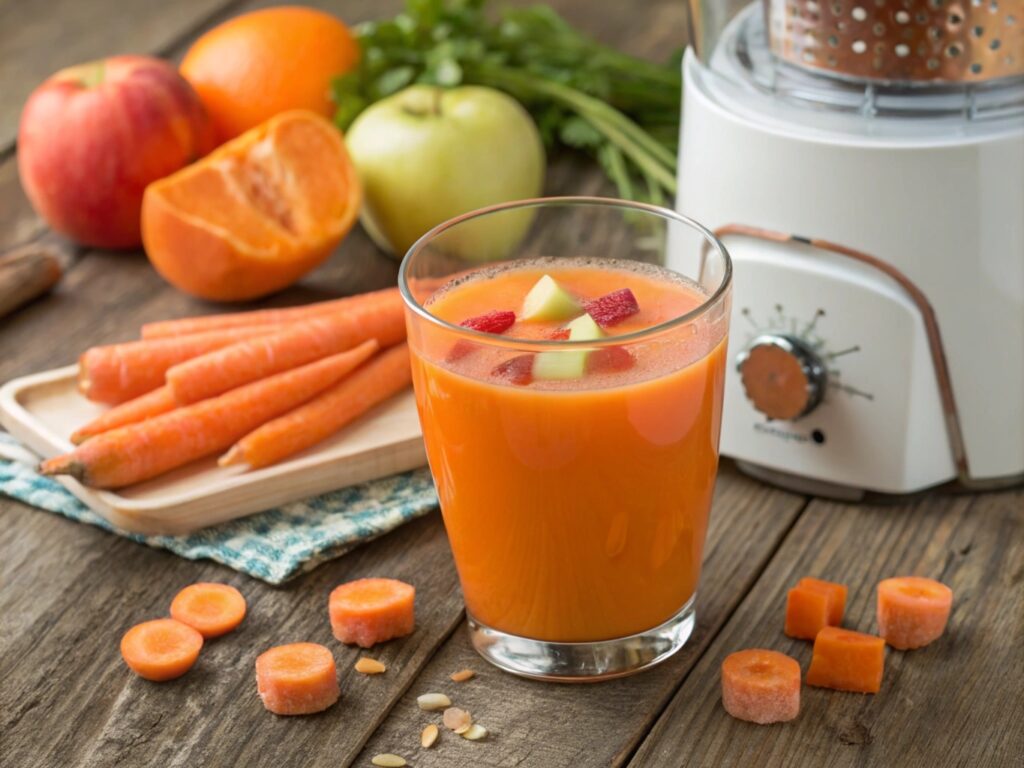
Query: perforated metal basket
{"points": [[901, 41]]}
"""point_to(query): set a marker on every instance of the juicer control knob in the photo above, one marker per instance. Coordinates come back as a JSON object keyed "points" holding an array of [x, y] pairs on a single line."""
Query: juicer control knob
{"points": [[783, 377]]}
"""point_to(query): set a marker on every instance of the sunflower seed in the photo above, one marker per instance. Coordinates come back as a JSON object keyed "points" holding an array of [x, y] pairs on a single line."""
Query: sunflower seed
{"points": [[429, 736], [369, 666], [475, 732], [462, 675], [388, 761], [431, 701]]}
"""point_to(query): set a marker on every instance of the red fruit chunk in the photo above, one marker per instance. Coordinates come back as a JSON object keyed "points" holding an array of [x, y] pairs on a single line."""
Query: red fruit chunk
{"points": [[612, 308], [498, 321], [516, 370], [559, 334], [610, 360]]}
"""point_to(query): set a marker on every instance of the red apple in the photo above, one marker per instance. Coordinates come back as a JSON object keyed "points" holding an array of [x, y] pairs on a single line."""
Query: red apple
{"points": [[93, 136]]}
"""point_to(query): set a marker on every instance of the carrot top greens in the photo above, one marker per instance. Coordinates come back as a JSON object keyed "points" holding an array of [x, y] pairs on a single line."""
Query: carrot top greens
{"points": [[622, 110]]}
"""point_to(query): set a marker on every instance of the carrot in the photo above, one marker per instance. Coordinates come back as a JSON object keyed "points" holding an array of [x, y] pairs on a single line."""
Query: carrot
{"points": [[116, 373], [210, 609], [847, 661], [162, 649], [137, 452], [294, 345], [297, 679], [370, 611], [813, 604], [164, 328], [160, 400], [912, 611], [321, 417], [761, 686]]}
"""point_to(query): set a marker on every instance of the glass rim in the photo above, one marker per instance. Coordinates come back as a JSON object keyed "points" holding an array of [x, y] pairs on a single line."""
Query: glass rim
{"points": [[568, 200]]}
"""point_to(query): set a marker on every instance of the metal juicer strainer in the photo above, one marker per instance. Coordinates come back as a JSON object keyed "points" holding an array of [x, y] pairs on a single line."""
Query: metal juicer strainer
{"points": [[901, 41]]}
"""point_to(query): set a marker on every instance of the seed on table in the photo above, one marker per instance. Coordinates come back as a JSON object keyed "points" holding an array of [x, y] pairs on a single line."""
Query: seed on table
{"points": [[462, 675], [457, 720], [475, 732], [369, 666], [388, 761], [429, 736], [432, 701]]}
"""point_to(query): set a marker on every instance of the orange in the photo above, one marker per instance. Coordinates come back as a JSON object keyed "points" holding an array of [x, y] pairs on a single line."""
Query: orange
{"points": [[260, 64], [257, 213]]}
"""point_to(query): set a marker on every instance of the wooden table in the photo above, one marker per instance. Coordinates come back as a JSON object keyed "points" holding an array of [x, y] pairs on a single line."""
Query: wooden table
{"points": [[67, 591]]}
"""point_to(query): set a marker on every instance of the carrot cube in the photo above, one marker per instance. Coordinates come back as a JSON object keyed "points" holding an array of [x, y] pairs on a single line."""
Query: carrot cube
{"points": [[847, 661], [761, 686], [370, 611], [813, 604], [912, 611], [297, 679]]}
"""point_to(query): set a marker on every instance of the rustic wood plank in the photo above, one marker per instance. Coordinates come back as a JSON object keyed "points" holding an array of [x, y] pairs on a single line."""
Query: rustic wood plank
{"points": [[564, 725], [67, 698], [955, 703]]}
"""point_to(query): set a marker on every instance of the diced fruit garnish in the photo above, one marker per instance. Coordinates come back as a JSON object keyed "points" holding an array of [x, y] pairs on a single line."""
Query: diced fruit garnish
{"points": [[610, 360], [612, 308], [569, 363], [559, 334], [498, 321], [583, 328], [516, 370], [547, 300]]}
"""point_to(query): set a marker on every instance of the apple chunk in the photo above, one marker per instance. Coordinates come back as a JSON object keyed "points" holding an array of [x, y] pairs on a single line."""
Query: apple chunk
{"points": [[547, 300], [569, 363]]}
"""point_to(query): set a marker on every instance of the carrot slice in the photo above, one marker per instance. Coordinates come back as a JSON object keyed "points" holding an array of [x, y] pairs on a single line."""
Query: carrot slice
{"points": [[813, 604], [912, 611], [140, 451], [187, 325], [761, 686], [847, 661], [297, 679], [211, 609], [116, 373], [321, 417], [162, 649], [294, 345], [369, 611], [146, 406]]}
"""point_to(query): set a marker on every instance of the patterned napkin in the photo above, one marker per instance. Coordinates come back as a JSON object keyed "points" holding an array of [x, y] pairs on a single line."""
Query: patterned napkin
{"points": [[275, 545]]}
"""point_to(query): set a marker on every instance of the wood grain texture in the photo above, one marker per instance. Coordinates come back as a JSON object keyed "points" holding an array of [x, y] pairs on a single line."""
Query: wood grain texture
{"points": [[957, 702], [69, 700], [548, 725]]}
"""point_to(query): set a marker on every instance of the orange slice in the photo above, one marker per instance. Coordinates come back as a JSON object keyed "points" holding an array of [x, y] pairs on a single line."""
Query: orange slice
{"points": [[256, 214]]}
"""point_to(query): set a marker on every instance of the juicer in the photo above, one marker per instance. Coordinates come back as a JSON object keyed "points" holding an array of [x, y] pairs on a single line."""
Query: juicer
{"points": [[863, 162]]}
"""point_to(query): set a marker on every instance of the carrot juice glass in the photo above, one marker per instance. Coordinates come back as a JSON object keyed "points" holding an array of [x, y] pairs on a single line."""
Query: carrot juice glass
{"points": [[569, 386]]}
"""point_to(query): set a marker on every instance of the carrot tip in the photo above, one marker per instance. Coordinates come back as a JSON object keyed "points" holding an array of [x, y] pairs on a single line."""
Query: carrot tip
{"points": [[62, 465], [232, 457]]}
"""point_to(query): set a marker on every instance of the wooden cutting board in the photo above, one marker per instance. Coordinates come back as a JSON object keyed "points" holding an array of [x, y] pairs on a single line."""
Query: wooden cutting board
{"points": [[43, 410]]}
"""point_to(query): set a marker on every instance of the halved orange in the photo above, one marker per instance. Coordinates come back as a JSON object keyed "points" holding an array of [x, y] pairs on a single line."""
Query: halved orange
{"points": [[257, 213]]}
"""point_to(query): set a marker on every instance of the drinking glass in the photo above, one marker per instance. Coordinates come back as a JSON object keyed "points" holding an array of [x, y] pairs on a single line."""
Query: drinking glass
{"points": [[576, 510]]}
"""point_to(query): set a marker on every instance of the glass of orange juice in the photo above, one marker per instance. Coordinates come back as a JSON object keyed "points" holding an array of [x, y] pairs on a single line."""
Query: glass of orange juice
{"points": [[568, 359]]}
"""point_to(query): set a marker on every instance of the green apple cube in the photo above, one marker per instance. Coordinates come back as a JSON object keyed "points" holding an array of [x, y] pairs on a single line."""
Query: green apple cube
{"points": [[570, 363], [547, 300]]}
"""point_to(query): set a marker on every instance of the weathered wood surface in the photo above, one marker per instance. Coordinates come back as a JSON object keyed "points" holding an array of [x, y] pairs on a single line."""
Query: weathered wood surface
{"points": [[67, 591], [957, 702]]}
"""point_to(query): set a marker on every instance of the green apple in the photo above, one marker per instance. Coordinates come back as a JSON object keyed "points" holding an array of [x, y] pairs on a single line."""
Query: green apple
{"points": [[548, 300], [569, 363], [427, 154]]}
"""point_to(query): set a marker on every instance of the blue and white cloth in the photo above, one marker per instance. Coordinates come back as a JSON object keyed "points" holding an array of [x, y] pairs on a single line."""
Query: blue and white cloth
{"points": [[275, 545]]}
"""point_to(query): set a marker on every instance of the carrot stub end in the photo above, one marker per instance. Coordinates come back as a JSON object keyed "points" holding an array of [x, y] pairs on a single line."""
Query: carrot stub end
{"points": [[912, 611], [370, 611], [297, 679], [847, 661], [761, 686], [211, 609], [160, 650]]}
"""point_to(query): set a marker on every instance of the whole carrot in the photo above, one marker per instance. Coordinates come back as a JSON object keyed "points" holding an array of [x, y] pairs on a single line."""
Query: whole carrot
{"points": [[382, 377], [116, 373], [160, 400], [294, 345], [200, 324], [140, 451]]}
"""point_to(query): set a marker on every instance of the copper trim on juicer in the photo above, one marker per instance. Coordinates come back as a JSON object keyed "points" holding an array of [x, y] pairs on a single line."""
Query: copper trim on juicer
{"points": [[900, 41], [931, 323]]}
